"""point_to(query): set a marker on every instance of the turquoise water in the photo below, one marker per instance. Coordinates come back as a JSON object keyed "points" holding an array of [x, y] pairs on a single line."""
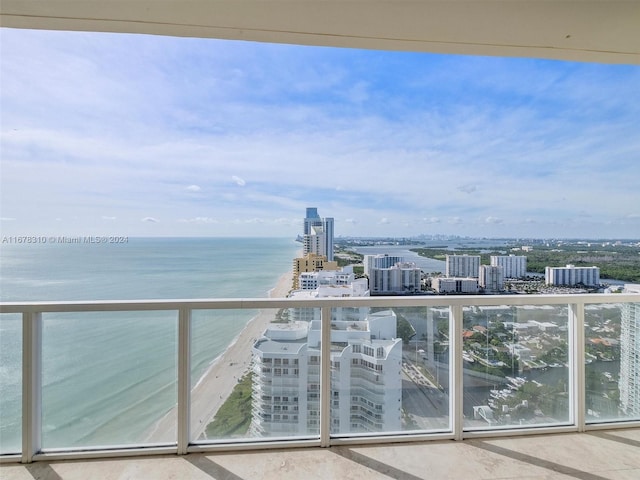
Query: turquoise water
{"points": [[108, 377]]}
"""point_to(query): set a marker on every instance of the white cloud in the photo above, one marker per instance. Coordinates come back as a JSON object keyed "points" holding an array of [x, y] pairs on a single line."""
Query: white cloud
{"points": [[86, 126], [7, 219], [201, 220], [104, 217], [238, 181], [150, 220], [384, 221]]}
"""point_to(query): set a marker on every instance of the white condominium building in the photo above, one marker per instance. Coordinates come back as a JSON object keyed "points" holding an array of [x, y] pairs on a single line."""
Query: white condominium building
{"points": [[379, 261], [514, 266], [491, 278], [366, 389], [318, 236], [357, 288], [462, 266], [629, 383], [401, 278], [315, 242], [572, 275], [455, 285], [313, 280]]}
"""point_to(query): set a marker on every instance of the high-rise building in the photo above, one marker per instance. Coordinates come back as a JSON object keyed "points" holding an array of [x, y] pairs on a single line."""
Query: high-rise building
{"points": [[491, 278], [318, 234], [629, 360], [379, 261], [514, 266], [467, 266], [572, 275], [401, 278], [366, 389]]}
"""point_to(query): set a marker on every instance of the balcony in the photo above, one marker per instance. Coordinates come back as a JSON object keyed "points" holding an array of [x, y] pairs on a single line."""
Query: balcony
{"points": [[561, 379]]}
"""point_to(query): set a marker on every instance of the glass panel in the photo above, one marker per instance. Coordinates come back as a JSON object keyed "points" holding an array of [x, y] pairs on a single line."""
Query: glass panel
{"points": [[108, 378], [515, 364], [256, 374], [612, 371], [10, 383], [389, 370]]}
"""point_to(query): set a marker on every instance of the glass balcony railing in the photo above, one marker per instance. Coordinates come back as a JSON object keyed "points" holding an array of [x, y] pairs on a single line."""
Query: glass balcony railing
{"points": [[94, 378]]}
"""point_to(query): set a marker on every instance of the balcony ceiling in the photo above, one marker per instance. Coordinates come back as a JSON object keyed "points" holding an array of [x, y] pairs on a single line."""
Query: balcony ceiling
{"points": [[582, 30]]}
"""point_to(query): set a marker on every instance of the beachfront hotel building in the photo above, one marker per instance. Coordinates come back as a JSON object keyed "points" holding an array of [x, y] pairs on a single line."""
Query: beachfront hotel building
{"points": [[311, 262], [314, 280], [401, 278], [356, 288], [318, 234], [629, 355], [491, 278], [572, 275], [366, 382], [513, 266], [462, 266]]}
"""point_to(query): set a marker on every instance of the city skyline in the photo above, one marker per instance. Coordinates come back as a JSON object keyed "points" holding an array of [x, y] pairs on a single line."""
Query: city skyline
{"points": [[159, 136]]}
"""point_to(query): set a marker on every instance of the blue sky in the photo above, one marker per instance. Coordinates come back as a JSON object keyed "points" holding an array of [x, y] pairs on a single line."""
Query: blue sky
{"points": [[106, 134]]}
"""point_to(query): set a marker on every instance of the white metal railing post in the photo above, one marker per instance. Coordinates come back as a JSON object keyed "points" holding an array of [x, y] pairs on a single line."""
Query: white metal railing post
{"points": [[577, 364], [456, 386], [325, 378], [184, 379], [31, 385]]}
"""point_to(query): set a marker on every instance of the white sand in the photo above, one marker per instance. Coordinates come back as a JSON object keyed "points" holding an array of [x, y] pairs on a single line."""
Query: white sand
{"points": [[217, 383]]}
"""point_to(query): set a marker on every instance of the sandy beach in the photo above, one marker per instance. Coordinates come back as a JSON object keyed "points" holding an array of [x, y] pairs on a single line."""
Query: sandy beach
{"points": [[218, 381]]}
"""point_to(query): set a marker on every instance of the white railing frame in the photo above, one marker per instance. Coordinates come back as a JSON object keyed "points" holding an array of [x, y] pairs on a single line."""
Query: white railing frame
{"points": [[32, 313]]}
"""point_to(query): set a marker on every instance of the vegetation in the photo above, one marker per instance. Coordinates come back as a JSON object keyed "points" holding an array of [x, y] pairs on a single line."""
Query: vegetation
{"points": [[618, 262], [234, 416], [404, 329]]}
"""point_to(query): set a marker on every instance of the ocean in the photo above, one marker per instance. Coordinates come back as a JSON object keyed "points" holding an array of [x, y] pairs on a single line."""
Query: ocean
{"points": [[108, 377]]}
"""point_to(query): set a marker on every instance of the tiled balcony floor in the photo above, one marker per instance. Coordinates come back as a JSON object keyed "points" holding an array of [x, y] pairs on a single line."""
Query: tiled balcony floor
{"points": [[611, 454]]}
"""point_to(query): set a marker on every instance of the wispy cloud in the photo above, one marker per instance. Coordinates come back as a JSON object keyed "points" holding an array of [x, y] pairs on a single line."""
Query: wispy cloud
{"points": [[467, 145], [201, 220], [238, 181]]}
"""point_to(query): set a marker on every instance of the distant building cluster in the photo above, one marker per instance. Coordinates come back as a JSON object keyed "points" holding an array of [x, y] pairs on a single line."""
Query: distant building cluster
{"points": [[466, 274], [366, 356]]}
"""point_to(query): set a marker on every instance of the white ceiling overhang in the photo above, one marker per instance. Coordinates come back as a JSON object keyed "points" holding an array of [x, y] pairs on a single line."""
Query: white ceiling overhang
{"points": [[582, 30]]}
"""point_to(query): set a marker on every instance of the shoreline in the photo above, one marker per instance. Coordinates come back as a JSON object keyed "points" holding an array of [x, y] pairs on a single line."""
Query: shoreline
{"points": [[216, 384]]}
